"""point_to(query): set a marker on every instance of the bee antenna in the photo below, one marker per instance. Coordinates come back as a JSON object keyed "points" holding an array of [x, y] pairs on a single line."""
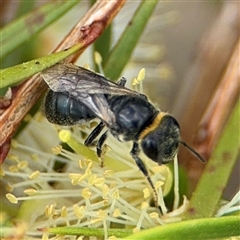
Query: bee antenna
{"points": [[193, 151]]}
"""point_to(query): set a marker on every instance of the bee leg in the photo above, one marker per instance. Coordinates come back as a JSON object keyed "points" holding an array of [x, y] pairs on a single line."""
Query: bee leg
{"points": [[93, 135], [122, 81], [100, 143], [134, 153]]}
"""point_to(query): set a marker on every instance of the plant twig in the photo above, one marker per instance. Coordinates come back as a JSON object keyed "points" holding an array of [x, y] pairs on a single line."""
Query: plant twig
{"points": [[220, 107]]}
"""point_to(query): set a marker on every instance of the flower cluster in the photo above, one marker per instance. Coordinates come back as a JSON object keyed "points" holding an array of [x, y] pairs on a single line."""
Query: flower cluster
{"points": [[49, 186]]}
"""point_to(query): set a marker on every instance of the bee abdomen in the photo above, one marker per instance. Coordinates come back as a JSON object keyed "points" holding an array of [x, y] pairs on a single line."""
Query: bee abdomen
{"points": [[63, 110]]}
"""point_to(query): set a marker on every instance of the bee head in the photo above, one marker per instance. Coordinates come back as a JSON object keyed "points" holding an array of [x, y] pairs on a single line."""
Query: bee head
{"points": [[161, 140]]}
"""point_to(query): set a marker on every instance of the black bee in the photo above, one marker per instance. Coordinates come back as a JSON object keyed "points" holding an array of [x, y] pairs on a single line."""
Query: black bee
{"points": [[78, 95]]}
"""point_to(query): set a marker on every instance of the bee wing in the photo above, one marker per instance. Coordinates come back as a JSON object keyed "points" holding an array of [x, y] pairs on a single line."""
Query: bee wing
{"points": [[98, 104], [86, 87], [69, 77]]}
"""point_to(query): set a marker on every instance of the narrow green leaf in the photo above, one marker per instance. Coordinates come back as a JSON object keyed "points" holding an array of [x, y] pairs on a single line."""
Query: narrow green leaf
{"points": [[22, 29], [18, 73], [206, 197], [102, 44], [98, 232], [207, 228], [121, 53], [25, 7]]}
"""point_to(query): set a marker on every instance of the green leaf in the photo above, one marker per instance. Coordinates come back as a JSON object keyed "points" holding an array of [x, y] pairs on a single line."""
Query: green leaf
{"points": [[122, 52], [24, 7], [207, 228], [98, 232], [22, 29], [102, 44], [206, 197], [16, 74]]}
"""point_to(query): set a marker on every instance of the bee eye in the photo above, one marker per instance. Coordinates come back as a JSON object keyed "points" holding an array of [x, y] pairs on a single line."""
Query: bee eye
{"points": [[149, 147]]}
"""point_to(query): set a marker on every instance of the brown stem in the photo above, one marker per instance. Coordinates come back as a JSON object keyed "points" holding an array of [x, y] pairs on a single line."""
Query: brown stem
{"points": [[220, 107]]}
